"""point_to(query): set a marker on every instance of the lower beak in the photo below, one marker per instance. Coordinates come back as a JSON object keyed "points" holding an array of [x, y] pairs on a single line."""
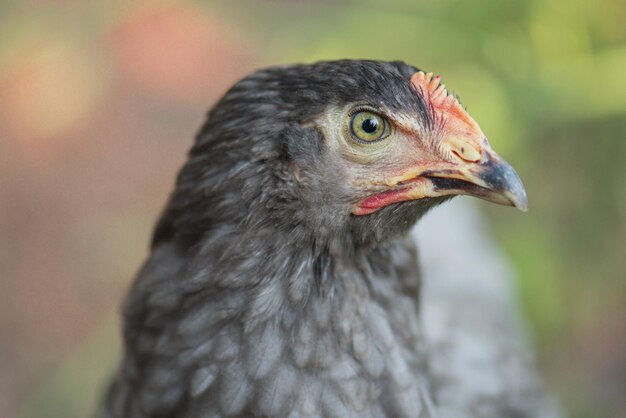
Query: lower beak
{"points": [[493, 179]]}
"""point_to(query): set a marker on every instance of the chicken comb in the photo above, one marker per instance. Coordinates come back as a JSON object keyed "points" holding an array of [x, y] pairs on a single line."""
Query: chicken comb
{"points": [[456, 119]]}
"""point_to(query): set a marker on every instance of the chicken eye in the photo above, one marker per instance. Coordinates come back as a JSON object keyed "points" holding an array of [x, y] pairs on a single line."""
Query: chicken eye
{"points": [[366, 126]]}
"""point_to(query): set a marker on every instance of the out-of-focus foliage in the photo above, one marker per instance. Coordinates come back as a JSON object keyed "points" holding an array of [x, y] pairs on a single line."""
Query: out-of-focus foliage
{"points": [[97, 97]]}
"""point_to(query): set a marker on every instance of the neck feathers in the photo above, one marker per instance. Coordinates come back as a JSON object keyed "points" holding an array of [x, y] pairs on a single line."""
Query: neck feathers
{"points": [[241, 316]]}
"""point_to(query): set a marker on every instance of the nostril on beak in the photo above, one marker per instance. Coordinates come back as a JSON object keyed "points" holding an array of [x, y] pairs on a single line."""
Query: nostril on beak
{"points": [[462, 149]]}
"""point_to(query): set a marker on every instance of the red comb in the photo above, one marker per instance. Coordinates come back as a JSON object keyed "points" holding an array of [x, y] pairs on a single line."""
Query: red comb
{"points": [[457, 119]]}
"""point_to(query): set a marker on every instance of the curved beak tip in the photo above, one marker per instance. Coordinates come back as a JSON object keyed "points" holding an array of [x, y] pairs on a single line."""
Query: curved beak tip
{"points": [[504, 180], [520, 200]]}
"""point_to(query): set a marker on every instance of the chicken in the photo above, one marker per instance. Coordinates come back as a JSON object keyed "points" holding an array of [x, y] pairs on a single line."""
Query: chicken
{"points": [[282, 279]]}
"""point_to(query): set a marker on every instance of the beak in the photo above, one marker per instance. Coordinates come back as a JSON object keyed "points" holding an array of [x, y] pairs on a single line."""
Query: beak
{"points": [[491, 179], [472, 170]]}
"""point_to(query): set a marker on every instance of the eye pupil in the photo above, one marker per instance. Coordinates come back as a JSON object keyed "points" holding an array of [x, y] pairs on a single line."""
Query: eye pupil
{"points": [[369, 125]]}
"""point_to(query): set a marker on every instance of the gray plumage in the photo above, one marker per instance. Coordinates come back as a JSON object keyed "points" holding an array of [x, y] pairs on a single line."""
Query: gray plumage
{"points": [[264, 297]]}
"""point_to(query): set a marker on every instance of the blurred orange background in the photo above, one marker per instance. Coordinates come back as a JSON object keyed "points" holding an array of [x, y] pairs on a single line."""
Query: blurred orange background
{"points": [[99, 102]]}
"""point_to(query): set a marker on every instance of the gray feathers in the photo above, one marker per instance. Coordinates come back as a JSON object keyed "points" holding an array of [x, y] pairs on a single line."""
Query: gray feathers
{"points": [[336, 353], [262, 296]]}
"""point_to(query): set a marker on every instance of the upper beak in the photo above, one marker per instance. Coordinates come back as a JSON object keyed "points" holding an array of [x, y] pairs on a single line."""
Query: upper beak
{"points": [[491, 179]]}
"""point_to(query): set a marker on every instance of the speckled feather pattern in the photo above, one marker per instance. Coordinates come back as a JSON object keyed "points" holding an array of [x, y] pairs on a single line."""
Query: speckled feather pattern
{"points": [[279, 350], [262, 296]]}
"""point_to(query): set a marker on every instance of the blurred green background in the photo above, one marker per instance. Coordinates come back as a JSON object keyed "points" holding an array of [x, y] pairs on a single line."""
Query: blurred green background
{"points": [[99, 101]]}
